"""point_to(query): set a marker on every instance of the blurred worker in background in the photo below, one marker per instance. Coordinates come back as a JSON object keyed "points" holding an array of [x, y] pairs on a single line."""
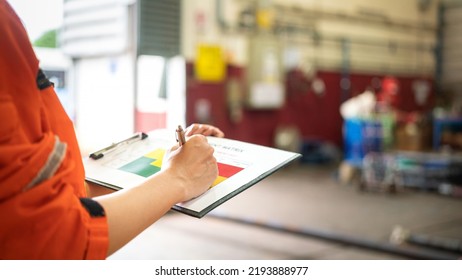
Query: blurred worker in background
{"points": [[388, 101], [45, 212], [388, 96]]}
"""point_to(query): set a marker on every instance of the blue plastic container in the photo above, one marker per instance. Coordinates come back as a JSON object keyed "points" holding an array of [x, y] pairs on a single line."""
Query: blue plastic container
{"points": [[361, 137]]}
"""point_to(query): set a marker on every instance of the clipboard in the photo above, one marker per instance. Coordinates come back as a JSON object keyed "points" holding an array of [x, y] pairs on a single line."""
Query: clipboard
{"points": [[240, 166]]}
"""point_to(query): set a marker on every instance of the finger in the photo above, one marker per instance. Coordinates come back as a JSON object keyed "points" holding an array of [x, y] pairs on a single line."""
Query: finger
{"points": [[197, 129], [218, 133], [173, 148], [192, 129], [213, 131], [206, 130], [171, 151], [196, 140]]}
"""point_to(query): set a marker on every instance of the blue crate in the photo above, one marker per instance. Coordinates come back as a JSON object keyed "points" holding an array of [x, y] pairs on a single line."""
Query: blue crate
{"points": [[361, 137]]}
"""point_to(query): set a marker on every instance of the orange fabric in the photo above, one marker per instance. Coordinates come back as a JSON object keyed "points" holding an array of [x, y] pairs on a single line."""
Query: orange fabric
{"points": [[46, 220]]}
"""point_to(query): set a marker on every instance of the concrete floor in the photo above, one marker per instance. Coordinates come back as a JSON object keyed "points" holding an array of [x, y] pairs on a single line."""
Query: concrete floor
{"points": [[304, 198]]}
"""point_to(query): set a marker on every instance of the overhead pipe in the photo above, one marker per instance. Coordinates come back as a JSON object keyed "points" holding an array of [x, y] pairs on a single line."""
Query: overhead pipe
{"points": [[365, 16], [286, 26], [361, 40], [409, 252]]}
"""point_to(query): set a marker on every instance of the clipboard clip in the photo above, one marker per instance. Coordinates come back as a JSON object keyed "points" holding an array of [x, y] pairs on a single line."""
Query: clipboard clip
{"points": [[99, 154]]}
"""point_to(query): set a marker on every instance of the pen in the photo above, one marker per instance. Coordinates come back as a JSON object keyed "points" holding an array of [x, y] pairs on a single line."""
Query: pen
{"points": [[180, 138], [99, 154]]}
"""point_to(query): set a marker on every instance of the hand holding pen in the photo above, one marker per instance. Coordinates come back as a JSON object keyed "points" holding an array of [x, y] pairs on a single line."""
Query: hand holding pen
{"points": [[191, 163], [203, 129]]}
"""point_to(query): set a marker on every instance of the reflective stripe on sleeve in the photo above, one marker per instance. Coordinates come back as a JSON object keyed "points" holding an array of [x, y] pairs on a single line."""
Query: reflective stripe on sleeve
{"points": [[54, 161]]}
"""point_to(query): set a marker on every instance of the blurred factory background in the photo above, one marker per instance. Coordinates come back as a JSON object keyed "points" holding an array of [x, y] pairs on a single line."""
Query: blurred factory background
{"points": [[369, 92]]}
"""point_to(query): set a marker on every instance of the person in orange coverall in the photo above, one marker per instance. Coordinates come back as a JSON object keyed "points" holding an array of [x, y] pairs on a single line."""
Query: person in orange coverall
{"points": [[45, 212]]}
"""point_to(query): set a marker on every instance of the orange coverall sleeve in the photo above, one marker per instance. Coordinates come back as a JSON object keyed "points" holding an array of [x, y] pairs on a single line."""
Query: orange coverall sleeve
{"points": [[44, 212]]}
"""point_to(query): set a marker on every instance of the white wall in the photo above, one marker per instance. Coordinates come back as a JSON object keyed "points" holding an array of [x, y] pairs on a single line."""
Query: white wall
{"points": [[377, 56], [105, 100]]}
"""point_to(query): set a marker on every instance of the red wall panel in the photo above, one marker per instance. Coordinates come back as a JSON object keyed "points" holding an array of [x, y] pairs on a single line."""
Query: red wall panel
{"points": [[317, 117]]}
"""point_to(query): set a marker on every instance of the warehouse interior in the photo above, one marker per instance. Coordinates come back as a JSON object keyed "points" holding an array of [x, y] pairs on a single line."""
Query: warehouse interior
{"points": [[368, 92]]}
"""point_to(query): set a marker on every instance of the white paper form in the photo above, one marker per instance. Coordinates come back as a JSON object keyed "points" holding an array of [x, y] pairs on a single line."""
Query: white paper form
{"points": [[240, 165]]}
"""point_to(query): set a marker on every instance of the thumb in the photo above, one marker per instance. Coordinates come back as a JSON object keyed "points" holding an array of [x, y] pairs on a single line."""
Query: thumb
{"points": [[170, 151]]}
